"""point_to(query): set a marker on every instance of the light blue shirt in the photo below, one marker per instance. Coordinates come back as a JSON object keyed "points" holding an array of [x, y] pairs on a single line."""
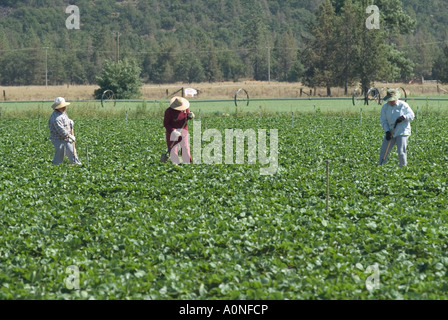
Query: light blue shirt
{"points": [[389, 114]]}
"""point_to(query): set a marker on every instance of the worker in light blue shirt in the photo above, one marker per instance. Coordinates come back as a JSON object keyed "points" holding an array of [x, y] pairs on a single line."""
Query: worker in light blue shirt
{"points": [[395, 118]]}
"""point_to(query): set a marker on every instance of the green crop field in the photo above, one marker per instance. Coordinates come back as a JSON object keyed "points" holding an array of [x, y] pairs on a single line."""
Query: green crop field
{"points": [[134, 228]]}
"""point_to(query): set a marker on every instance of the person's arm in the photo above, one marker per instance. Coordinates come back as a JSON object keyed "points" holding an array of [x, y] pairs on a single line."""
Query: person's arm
{"points": [[408, 113], [168, 120], [383, 119]]}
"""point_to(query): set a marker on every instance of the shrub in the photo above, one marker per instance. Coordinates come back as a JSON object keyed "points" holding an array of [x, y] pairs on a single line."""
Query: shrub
{"points": [[122, 77]]}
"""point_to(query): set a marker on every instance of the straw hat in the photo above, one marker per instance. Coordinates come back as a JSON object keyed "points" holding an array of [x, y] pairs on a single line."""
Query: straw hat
{"points": [[59, 102], [179, 104], [392, 95]]}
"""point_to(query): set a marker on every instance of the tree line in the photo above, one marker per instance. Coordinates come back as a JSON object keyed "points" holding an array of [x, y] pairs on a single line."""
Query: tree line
{"points": [[321, 43]]}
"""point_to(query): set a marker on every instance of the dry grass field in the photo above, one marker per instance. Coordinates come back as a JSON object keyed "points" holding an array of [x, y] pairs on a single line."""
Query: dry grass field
{"points": [[219, 90]]}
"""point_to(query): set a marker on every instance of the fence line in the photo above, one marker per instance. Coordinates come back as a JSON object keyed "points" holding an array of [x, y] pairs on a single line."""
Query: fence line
{"points": [[220, 100]]}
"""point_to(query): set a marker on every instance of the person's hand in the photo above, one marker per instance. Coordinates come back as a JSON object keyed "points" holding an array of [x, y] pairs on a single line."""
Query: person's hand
{"points": [[388, 135], [176, 133], [72, 138], [400, 119], [190, 115]]}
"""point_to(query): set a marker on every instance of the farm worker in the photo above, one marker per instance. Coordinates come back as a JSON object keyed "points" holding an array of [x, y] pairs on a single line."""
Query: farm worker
{"points": [[61, 133], [175, 123], [395, 119]]}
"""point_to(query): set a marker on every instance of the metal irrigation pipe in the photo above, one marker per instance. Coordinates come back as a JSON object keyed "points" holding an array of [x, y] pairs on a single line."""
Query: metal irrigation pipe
{"points": [[224, 100]]}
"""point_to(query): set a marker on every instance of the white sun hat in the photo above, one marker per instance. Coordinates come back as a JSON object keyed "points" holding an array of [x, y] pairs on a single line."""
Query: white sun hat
{"points": [[59, 102]]}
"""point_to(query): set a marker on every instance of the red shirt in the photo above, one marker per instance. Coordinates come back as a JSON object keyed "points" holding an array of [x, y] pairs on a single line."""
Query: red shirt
{"points": [[174, 119]]}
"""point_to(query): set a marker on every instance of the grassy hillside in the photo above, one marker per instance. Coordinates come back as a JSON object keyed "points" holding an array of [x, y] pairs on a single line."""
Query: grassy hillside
{"points": [[216, 39]]}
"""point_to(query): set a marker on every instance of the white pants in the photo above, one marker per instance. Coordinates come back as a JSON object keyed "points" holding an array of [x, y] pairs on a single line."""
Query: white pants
{"points": [[401, 142], [62, 149], [184, 147]]}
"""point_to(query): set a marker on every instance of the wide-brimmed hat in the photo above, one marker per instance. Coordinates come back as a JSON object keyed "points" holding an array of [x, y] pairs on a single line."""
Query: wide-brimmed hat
{"points": [[392, 95], [179, 104], [59, 102]]}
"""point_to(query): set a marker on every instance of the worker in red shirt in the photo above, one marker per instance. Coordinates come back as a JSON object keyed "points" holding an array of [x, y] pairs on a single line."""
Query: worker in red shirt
{"points": [[175, 123]]}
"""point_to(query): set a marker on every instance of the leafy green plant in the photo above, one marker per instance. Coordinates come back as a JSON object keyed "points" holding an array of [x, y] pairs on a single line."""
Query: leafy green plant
{"points": [[121, 77], [139, 229]]}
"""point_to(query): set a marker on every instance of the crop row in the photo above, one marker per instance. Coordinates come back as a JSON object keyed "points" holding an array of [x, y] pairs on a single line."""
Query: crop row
{"points": [[138, 229]]}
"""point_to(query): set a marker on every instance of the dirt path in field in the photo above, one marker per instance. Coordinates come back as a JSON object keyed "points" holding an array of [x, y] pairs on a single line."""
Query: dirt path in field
{"points": [[219, 90]]}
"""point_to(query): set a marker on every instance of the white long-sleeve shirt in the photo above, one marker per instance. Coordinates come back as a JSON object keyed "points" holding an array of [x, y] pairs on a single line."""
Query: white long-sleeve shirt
{"points": [[389, 114]]}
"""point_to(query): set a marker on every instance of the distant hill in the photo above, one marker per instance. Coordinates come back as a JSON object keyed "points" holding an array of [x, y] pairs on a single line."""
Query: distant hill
{"points": [[214, 37]]}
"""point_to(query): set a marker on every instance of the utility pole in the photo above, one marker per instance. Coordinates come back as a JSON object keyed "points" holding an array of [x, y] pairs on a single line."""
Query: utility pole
{"points": [[118, 45], [46, 67]]}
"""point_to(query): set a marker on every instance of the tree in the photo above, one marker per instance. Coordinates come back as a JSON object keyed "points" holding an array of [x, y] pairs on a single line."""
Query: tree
{"points": [[296, 72], [321, 50], [285, 54], [158, 33], [348, 27], [189, 69], [74, 70], [366, 54], [371, 61], [13, 66], [378, 58], [231, 67], [167, 59], [394, 18], [212, 72], [256, 42], [440, 69], [419, 51], [57, 74], [34, 72], [401, 68], [122, 77]]}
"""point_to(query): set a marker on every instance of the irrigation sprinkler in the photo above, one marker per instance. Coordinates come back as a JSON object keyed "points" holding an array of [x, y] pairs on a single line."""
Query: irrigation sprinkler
{"points": [[108, 98], [359, 97], [245, 98], [39, 122], [373, 94]]}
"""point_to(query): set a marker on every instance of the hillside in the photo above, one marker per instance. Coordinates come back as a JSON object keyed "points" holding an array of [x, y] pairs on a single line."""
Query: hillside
{"points": [[215, 38]]}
